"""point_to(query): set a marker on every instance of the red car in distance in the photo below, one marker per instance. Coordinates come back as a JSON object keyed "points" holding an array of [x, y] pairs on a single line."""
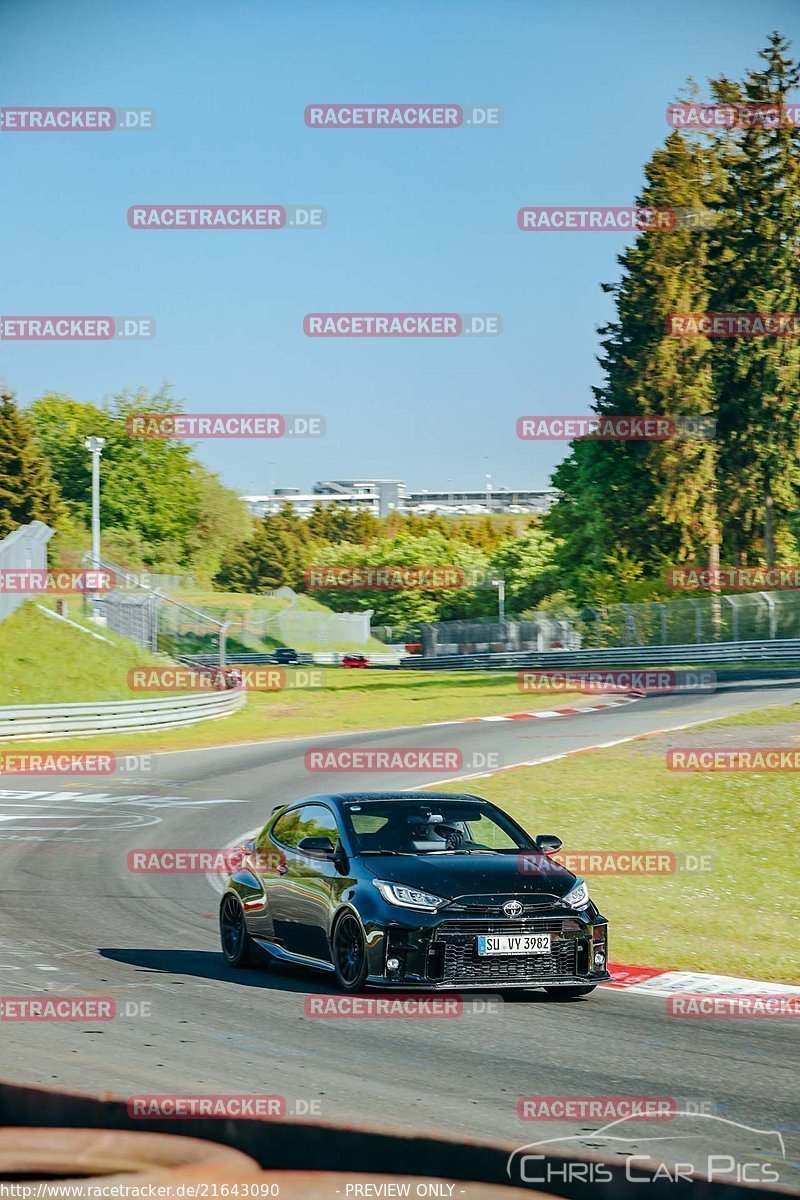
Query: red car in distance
{"points": [[355, 660]]}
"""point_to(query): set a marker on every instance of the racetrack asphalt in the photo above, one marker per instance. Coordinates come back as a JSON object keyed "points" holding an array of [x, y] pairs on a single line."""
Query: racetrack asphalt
{"points": [[76, 921]]}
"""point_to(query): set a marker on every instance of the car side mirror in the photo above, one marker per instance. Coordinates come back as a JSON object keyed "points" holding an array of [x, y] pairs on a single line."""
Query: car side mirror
{"points": [[317, 847], [548, 843]]}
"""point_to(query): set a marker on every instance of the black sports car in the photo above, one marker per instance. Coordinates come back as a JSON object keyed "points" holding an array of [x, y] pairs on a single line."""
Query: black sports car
{"points": [[285, 655], [413, 890]]}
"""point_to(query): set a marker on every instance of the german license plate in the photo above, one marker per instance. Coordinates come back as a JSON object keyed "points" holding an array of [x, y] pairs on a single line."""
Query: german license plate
{"points": [[515, 943]]}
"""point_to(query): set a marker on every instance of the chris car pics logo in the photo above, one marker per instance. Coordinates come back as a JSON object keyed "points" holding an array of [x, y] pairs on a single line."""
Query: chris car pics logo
{"points": [[698, 1145]]}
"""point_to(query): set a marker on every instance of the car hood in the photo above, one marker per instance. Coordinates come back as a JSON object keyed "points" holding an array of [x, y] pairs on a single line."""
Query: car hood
{"points": [[471, 877]]}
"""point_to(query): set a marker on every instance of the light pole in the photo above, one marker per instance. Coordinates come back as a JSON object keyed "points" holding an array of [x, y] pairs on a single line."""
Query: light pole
{"points": [[500, 584], [95, 447]]}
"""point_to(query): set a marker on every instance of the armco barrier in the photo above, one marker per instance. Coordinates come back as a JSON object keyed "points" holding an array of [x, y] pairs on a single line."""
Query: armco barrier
{"points": [[319, 658], [251, 658], [115, 716], [709, 654]]}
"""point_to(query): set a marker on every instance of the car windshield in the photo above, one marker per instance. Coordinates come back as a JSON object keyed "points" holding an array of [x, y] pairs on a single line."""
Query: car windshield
{"points": [[432, 827]]}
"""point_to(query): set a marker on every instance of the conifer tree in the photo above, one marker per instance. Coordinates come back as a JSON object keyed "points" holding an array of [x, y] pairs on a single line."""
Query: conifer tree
{"points": [[756, 269], [27, 489]]}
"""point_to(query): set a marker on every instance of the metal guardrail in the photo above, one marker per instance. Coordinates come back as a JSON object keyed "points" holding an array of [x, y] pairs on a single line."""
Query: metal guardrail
{"points": [[114, 716], [252, 658], [320, 658], [782, 651]]}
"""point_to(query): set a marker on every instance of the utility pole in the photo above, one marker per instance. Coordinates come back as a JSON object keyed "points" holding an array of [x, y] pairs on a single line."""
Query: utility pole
{"points": [[95, 447]]}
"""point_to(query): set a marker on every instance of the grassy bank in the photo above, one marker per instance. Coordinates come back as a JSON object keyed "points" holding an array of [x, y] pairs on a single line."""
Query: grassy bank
{"points": [[46, 661]]}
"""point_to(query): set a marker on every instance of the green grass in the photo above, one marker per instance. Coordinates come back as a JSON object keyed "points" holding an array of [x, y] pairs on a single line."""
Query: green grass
{"points": [[350, 701], [45, 661], [741, 918]]}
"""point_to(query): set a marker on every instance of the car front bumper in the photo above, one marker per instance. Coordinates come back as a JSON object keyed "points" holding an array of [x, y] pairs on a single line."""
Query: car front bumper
{"points": [[442, 953]]}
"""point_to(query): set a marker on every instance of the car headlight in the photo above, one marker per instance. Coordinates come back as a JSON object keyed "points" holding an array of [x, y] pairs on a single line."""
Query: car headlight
{"points": [[408, 897], [579, 896]]}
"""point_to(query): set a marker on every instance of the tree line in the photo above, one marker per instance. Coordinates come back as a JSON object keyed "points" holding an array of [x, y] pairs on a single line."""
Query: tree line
{"points": [[162, 509], [628, 510]]}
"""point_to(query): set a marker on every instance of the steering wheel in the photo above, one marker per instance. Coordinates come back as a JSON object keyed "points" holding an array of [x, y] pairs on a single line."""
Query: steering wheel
{"points": [[453, 838]]}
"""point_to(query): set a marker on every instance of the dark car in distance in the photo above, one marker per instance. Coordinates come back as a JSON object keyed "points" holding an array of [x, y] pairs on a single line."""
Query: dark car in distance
{"points": [[286, 656], [413, 890]]}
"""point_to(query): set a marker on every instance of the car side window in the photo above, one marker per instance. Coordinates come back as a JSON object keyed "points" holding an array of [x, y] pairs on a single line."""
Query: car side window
{"points": [[310, 820]]}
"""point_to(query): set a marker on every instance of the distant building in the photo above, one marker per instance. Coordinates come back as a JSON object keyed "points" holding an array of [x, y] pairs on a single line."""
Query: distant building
{"points": [[383, 496], [482, 500], [386, 494]]}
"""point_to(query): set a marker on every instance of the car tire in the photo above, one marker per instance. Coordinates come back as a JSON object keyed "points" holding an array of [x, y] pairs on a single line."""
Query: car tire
{"points": [[569, 993], [349, 953], [238, 948]]}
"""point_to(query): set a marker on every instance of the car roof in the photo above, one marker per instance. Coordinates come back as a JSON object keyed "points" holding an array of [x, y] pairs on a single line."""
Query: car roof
{"points": [[339, 798]]}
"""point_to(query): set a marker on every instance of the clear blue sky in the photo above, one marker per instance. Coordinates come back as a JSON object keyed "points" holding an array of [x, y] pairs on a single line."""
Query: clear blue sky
{"points": [[417, 221]]}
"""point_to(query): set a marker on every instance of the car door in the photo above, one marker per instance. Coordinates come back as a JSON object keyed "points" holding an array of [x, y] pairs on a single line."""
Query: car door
{"points": [[300, 898]]}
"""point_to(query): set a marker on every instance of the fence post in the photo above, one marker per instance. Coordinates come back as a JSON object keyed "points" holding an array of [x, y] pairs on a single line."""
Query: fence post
{"points": [[734, 618], [773, 632]]}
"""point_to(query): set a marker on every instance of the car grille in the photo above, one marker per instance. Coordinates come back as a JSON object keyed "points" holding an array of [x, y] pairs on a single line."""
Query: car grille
{"points": [[492, 906], [461, 962], [471, 929]]}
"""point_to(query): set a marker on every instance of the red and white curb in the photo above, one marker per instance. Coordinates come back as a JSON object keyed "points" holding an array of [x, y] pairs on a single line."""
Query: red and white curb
{"points": [[542, 713], [572, 711], [656, 981]]}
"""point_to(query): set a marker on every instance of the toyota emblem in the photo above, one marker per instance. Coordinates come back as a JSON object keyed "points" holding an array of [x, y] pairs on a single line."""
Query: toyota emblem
{"points": [[512, 908]]}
